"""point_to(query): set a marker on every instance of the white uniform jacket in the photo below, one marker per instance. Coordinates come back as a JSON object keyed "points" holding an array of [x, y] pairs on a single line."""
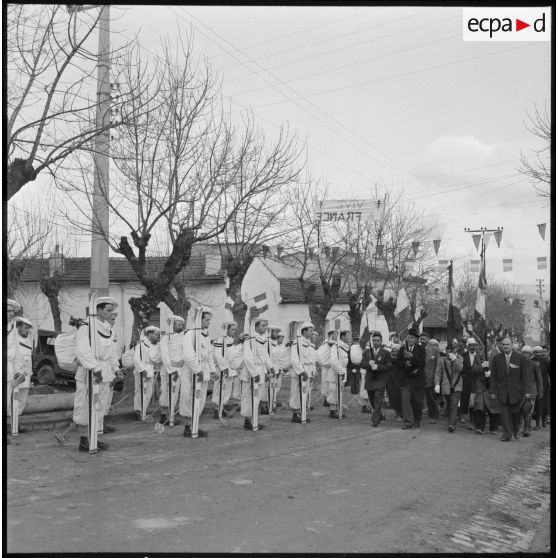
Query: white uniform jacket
{"points": [[206, 363], [105, 358], [339, 359], [302, 357], [171, 352], [21, 359], [146, 356], [226, 354]]}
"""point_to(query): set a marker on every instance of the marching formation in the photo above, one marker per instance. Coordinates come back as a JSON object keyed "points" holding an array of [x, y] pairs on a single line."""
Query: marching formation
{"points": [[510, 386]]}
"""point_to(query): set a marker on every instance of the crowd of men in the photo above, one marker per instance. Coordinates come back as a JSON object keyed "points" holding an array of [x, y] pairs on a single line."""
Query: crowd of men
{"points": [[511, 386]]}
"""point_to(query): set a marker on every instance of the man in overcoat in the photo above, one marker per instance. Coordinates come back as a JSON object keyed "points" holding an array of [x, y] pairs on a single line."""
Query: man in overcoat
{"points": [[507, 386]]}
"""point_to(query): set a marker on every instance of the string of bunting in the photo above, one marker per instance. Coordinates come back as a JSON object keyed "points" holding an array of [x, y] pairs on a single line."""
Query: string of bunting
{"points": [[507, 264]]}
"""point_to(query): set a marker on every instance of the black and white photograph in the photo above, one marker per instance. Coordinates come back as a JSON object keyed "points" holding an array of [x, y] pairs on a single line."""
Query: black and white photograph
{"points": [[278, 279]]}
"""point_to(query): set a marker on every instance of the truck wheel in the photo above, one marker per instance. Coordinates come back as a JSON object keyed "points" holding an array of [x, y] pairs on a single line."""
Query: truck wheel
{"points": [[45, 374]]}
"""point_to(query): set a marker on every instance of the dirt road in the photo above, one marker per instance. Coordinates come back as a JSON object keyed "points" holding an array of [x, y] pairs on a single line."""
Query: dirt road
{"points": [[329, 486]]}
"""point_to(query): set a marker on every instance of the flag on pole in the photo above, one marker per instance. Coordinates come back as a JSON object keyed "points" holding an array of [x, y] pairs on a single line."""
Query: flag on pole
{"points": [[498, 237], [455, 324], [476, 240], [507, 264], [541, 263], [542, 229], [436, 246], [258, 306], [475, 266], [480, 306], [486, 238]]}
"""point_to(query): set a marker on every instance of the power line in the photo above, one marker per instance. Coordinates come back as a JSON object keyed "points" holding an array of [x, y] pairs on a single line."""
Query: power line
{"points": [[344, 35], [310, 102], [428, 68], [281, 37]]}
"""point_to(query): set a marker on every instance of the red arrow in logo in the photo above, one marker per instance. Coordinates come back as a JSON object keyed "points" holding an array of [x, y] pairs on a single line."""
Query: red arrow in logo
{"points": [[519, 25]]}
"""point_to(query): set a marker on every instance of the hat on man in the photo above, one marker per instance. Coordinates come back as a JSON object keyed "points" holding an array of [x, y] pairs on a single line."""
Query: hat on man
{"points": [[306, 325], [276, 327], [343, 331], [13, 304], [395, 347], [526, 349], [424, 333], [151, 328], [106, 300], [22, 320], [413, 332], [471, 341], [175, 318], [228, 324], [537, 348]]}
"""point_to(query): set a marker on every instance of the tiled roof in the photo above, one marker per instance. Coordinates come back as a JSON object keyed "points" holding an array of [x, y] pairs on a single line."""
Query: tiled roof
{"points": [[77, 270], [291, 292]]}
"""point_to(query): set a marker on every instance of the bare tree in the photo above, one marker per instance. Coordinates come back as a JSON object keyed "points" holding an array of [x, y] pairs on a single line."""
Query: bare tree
{"points": [[51, 90], [539, 170], [27, 234], [183, 170], [319, 252], [389, 256]]}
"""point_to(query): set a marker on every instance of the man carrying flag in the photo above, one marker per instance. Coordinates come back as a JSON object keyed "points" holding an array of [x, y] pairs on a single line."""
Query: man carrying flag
{"points": [[454, 324]]}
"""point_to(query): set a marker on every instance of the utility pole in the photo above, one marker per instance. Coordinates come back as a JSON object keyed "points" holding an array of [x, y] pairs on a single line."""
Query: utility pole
{"points": [[100, 219]]}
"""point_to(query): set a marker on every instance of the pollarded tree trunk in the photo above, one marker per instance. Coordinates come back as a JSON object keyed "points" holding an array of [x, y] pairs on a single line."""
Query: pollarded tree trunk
{"points": [[20, 172], [239, 308], [50, 286], [387, 308]]}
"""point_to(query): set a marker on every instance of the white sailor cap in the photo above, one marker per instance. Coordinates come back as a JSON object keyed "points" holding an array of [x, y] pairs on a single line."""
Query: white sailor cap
{"points": [[276, 327], [526, 349], [226, 325], [175, 318], [106, 300], [151, 328], [13, 304], [306, 325], [22, 320], [537, 348], [471, 341], [343, 331]]}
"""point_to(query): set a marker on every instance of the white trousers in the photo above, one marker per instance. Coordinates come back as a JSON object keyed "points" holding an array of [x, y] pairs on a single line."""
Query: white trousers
{"points": [[185, 405], [246, 399], [106, 392], [23, 392], [164, 395], [227, 391], [137, 391]]}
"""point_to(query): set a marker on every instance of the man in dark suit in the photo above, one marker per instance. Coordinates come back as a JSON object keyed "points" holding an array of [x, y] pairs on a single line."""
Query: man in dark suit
{"points": [[377, 362], [412, 379], [508, 378]]}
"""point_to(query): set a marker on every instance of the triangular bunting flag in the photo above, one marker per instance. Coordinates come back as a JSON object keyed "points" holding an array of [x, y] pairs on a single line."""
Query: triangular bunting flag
{"points": [[507, 264], [476, 240], [415, 247], [542, 229], [487, 236], [436, 245], [498, 237], [229, 303], [475, 266], [541, 263]]}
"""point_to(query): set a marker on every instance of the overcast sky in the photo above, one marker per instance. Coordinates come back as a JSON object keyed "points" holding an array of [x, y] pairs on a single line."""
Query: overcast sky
{"points": [[388, 95]]}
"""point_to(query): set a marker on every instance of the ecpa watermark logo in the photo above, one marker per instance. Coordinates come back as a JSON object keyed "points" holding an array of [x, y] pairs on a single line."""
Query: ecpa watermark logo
{"points": [[506, 24]]}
